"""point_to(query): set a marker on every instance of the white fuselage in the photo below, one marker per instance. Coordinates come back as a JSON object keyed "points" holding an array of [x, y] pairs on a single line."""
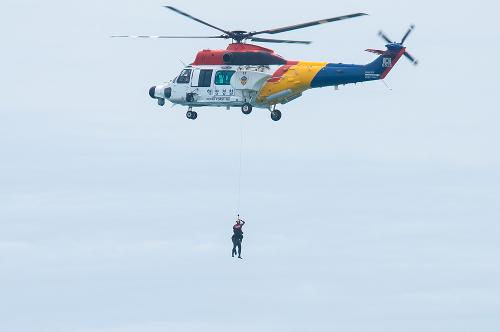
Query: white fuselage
{"points": [[216, 85]]}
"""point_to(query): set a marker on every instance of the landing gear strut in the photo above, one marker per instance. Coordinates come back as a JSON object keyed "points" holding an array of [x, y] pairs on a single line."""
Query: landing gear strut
{"points": [[192, 115], [246, 108]]}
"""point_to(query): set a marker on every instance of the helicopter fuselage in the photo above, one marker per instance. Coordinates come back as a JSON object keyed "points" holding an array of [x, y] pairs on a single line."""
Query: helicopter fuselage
{"points": [[251, 76]]}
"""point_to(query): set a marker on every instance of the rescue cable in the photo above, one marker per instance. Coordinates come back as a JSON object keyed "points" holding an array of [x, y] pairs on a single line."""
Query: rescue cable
{"points": [[240, 166]]}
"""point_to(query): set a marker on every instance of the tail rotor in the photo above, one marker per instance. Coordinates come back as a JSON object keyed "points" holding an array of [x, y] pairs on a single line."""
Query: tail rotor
{"points": [[407, 34], [406, 54], [384, 37]]}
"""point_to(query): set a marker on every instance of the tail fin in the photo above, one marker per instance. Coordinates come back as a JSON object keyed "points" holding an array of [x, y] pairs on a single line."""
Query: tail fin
{"points": [[386, 61]]}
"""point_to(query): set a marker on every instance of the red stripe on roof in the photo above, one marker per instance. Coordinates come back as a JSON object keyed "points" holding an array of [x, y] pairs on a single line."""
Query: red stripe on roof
{"points": [[215, 57]]}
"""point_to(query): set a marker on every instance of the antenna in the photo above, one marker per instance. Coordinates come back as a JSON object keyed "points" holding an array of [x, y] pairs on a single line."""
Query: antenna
{"points": [[386, 85]]}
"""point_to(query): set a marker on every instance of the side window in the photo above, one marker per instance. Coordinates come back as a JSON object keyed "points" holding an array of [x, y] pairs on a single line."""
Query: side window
{"points": [[185, 76], [223, 77], [205, 80]]}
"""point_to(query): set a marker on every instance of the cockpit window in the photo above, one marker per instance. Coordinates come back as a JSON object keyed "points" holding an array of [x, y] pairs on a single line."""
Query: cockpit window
{"points": [[223, 77], [184, 76]]}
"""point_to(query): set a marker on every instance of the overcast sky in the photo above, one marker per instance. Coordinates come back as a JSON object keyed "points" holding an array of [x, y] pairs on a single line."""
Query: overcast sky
{"points": [[367, 209]]}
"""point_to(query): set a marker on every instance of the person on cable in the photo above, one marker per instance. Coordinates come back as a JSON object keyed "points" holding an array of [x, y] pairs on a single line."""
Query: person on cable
{"points": [[237, 236]]}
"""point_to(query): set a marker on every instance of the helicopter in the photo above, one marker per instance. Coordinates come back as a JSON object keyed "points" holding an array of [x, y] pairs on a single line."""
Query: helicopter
{"points": [[249, 76]]}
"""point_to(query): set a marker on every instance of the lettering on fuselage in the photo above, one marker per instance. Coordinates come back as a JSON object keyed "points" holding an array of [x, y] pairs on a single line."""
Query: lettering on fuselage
{"points": [[219, 99], [369, 75], [221, 92], [259, 68], [386, 62]]}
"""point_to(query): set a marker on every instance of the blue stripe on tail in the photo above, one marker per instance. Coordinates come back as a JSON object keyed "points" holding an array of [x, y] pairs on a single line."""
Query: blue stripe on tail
{"points": [[338, 74]]}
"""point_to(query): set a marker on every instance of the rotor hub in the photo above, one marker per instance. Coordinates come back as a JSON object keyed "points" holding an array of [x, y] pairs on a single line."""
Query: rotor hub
{"points": [[239, 35]]}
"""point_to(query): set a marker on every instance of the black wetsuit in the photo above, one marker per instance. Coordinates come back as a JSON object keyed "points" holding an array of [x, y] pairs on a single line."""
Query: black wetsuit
{"points": [[237, 238]]}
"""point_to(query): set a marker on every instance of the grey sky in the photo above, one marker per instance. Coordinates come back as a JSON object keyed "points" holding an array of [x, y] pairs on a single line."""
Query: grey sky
{"points": [[367, 209]]}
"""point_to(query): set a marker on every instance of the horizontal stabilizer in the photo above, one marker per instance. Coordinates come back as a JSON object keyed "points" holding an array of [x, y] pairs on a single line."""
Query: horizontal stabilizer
{"points": [[371, 50]]}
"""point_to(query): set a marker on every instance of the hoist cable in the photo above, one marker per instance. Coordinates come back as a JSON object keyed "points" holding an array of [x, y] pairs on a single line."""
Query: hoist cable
{"points": [[240, 165]]}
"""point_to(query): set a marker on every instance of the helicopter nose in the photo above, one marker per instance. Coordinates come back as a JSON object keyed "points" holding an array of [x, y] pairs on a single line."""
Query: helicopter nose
{"points": [[152, 92]]}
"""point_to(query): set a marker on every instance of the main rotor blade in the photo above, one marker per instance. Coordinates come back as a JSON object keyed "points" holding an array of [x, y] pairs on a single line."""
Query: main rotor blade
{"points": [[384, 37], [407, 33], [411, 58], [306, 25], [197, 19], [282, 41], [172, 37]]}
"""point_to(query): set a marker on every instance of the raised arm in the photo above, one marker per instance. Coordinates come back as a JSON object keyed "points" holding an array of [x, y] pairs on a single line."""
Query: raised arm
{"points": [[241, 220]]}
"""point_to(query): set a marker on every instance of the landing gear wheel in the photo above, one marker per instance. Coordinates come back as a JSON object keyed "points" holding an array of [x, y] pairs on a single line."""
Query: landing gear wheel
{"points": [[161, 101], [246, 108], [191, 115], [275, 115]]}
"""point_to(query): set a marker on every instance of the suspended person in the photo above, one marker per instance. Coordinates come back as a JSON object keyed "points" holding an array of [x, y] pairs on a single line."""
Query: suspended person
{"points": [[237, 236]]}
